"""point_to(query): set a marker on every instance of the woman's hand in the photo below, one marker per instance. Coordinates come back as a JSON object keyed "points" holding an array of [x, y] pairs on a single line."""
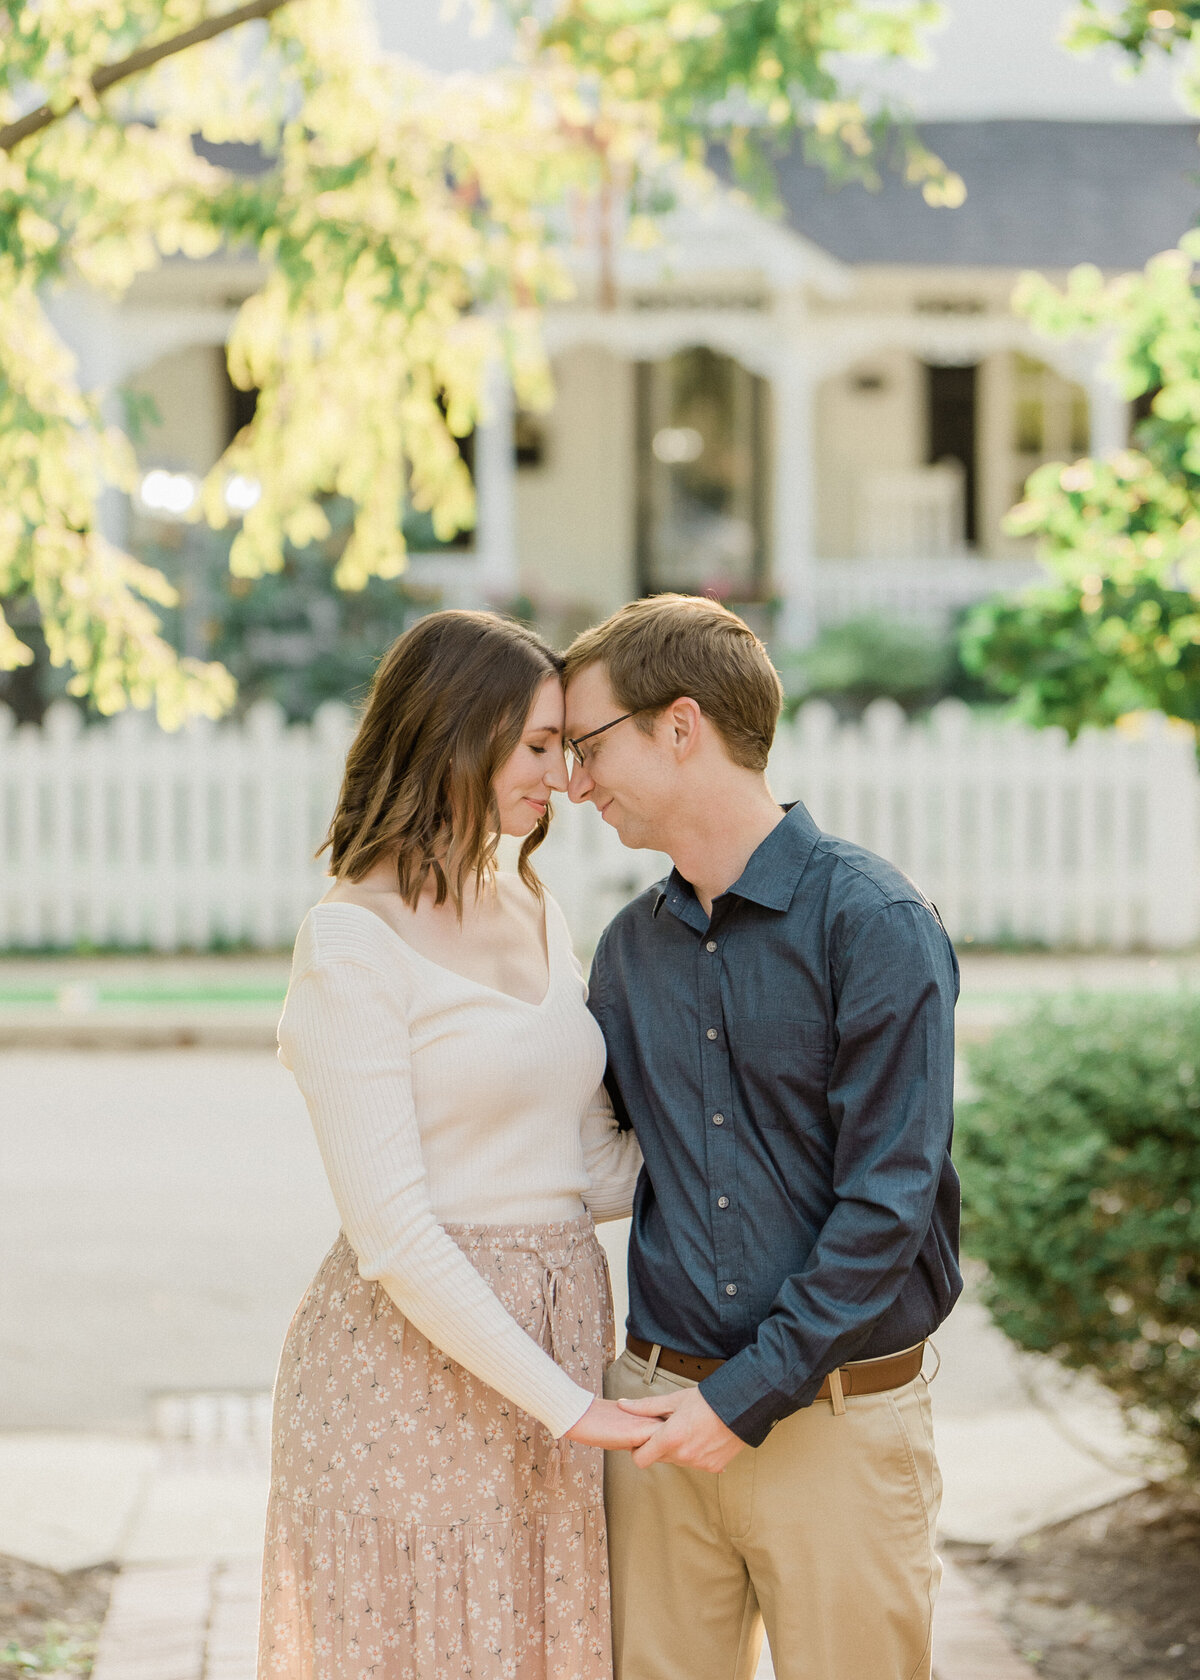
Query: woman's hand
{"points": [[604, 1424]]}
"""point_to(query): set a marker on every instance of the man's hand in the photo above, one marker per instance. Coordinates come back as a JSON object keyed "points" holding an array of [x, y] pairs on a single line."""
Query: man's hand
{"points": [[605, 1425], [692, 1435]]}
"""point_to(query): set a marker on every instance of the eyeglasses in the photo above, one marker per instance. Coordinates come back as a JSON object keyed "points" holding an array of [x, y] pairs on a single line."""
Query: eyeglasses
{"points": [[575, 747]]}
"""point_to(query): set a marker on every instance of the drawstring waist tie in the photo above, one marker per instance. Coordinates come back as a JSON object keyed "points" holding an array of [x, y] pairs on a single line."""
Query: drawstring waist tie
{"points": [[556, 1250]]}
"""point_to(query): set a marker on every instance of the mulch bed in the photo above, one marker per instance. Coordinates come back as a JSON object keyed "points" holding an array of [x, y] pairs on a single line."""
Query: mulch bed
{"points": [[49, 1623], [1111, 1595]]}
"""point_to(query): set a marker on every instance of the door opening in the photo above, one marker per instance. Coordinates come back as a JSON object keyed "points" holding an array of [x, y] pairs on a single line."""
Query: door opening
{"points": [[951, 407]]}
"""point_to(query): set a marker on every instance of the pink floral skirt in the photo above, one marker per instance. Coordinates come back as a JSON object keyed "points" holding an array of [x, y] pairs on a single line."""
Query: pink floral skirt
{"points": [[421, 1526]]}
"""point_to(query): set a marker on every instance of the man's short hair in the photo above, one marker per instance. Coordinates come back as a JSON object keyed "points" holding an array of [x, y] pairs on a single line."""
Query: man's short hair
{"points": [[670, 647]]}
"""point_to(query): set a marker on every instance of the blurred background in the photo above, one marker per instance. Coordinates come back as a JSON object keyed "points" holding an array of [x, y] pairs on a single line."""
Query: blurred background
{"points": [[818, 400]]}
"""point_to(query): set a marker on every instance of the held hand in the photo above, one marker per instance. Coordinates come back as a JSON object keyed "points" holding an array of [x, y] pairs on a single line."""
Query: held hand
{"points": [[692, 1433], [605, 1424]]}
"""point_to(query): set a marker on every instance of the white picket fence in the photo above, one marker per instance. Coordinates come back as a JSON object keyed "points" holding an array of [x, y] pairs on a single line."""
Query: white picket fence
{"points": [[1013, 832], [122, 835]]}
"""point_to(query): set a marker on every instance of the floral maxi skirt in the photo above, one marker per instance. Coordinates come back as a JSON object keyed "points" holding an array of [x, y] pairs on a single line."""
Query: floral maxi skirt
{"points": [[420, 1525]]}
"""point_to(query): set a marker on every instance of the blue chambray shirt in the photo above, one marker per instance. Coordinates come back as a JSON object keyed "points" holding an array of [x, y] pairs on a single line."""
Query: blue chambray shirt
{"points": [[788, 1068]]}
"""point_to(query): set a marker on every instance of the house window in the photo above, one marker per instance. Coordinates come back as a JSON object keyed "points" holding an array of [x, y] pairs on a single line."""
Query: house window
{"points": [[1032, 415], [1050, 419], [701, 477], [1050, 414]]}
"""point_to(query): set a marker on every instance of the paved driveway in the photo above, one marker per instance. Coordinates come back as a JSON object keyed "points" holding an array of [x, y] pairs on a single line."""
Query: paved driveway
{"points": [[161, 1213]]}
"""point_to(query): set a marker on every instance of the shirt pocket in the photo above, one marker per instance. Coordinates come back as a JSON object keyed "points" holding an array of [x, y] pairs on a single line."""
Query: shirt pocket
{"points": [[783, 1063]]}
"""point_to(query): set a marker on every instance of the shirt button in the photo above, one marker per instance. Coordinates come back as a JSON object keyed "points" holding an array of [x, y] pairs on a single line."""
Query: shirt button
{"points": [[711, 945], [718, 1119], [722, 1201], [731, 1289], [711, 1033]]}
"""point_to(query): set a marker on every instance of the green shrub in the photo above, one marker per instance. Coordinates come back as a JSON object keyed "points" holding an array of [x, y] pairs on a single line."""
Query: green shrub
{"points": [[1080, 1160], [867, 659], [874, 658]]}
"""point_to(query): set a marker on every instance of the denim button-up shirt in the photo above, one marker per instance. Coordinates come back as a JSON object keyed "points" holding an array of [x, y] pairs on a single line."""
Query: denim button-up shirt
{"points": [[787, 1064]]}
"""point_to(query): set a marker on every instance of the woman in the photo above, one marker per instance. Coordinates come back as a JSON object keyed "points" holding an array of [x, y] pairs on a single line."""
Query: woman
{"points": [[436, 1505]]}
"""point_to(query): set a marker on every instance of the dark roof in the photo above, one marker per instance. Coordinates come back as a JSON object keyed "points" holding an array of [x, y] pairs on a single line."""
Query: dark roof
{"points": [[240, 157], [1039, 194]]}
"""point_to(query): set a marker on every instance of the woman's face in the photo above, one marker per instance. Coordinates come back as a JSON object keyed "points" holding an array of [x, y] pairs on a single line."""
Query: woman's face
{"points": [[536, 767]]}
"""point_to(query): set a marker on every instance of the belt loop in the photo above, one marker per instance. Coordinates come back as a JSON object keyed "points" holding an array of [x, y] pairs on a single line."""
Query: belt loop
{"points": [[836, 1395], [936, 1355], [652, 1364]]}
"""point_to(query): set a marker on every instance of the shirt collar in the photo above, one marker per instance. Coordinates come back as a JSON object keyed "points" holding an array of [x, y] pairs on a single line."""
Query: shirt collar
{"points": [[770, 877]]}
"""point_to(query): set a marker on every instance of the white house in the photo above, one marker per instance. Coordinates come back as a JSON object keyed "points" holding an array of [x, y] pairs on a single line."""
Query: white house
{"points": [[829, 412]]}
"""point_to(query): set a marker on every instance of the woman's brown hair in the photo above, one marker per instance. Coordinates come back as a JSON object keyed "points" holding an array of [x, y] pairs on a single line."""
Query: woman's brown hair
{"points": [[446, 709]]}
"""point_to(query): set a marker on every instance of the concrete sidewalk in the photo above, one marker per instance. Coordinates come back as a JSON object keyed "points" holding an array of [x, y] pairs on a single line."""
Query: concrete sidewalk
{"points": [[199, 1621]]}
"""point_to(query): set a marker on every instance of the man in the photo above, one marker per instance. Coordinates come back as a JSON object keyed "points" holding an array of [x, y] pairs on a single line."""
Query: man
{"points": [[779, 1021]]}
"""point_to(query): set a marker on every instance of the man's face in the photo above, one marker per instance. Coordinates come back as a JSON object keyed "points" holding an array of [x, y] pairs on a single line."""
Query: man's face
{"points": [[626, 774]]}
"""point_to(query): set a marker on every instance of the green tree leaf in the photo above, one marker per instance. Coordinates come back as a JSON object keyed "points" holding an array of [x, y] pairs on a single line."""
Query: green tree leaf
{"points": [[403, 229]]}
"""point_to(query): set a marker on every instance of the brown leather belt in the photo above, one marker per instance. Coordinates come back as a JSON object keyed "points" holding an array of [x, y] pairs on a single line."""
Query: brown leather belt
{"points": [[863, 1376]]}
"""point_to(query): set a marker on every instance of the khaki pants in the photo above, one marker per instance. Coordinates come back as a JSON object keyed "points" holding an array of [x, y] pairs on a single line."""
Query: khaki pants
{"points": [[824, 1533]]}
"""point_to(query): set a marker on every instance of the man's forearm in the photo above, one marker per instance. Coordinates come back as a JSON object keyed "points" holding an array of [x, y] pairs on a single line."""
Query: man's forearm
{"points": [[812, 1327]]}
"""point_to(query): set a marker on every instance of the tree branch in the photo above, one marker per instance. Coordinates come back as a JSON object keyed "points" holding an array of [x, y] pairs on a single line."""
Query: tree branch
{"points": [[109, 74]]}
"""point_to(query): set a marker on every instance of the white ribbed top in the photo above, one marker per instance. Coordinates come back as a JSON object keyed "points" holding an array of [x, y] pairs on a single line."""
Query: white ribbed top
{"points": [[436, 1099]]}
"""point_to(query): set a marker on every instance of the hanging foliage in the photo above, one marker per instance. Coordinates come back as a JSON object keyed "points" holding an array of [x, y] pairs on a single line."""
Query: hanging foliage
{"points": [[1117, 629], [403, 226]]}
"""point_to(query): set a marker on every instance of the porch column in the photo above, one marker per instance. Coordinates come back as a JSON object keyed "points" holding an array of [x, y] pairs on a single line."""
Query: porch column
{"points": [[793, 387], [495, 489], [97, 333], [1108, 416]]}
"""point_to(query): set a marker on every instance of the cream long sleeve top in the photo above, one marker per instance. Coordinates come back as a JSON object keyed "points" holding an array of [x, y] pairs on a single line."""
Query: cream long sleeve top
{"points": [[436, 1099]]}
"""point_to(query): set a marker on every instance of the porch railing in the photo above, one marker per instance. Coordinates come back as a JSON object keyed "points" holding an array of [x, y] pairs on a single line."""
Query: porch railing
{"points": [[912, 512], [925, 591]]}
